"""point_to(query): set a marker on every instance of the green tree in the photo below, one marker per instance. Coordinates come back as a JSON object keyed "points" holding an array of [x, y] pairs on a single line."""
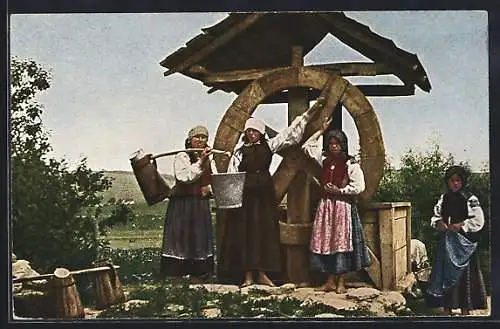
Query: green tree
{"points": [[54, 210]]}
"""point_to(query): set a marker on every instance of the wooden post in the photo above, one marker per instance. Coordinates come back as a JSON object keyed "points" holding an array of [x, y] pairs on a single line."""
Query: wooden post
{"points": [[408, 239], [386, 247], [298, 198]]}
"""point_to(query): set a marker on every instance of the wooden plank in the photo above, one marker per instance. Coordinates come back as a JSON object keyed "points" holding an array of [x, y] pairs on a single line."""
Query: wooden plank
{"points": [[344, 69], [400, 212], [386, 248], [377, 48], [401, 259], [408, 239], [399, 232], [77, 272], [223, 39], [367, 90]]}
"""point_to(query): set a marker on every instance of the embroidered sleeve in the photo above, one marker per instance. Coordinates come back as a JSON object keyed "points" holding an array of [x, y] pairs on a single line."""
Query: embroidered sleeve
{"points": [[313, 148], [235, 160], [437, 212], [356, 183], [475, 222], [184, 170], [291, 135]]}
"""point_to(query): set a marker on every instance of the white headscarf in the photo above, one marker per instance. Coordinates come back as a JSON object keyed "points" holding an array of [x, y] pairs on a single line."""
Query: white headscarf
{"points": [[256, 124]]}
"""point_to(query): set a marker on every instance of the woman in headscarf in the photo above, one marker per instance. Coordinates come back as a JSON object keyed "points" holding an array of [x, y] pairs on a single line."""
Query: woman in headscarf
{"points": [[456, 280], [337, 244], [188, 238], [252, 238]]}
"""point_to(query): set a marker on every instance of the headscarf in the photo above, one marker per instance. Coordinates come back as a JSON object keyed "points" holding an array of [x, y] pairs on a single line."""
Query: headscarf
{"points": [[255, 124], [198, 130]]}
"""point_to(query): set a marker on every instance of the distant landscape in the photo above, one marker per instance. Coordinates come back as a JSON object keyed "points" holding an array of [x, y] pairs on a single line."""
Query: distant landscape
{"points": [[125, 186]]}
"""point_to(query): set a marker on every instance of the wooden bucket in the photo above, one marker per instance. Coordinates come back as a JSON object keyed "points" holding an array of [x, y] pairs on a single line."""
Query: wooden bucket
{"points": [[107, 286], [153, 186], [64, 295]]}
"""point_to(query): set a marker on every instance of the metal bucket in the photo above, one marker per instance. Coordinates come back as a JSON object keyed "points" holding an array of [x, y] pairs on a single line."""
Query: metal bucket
{"points": [[228, 189], [153, 186]]}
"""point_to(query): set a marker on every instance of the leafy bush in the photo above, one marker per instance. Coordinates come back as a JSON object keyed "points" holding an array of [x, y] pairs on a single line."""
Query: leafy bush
{"points": [[136, 265], [121, 213], [54, 210]]}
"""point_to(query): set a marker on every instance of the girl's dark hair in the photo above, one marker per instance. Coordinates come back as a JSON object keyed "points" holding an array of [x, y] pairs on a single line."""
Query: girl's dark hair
{"points": [[341, 138], [458, 170]]}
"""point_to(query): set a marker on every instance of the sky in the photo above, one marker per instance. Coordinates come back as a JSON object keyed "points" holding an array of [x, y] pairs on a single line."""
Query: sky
{"points": [[109, 98]]}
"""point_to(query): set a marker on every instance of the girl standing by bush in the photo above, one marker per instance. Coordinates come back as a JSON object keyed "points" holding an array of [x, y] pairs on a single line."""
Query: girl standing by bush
{"points": [[456, 280]]}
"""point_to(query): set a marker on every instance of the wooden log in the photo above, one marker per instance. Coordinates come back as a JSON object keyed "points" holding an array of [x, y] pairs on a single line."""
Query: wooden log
{"points": [[298, 197], [65, 296]]}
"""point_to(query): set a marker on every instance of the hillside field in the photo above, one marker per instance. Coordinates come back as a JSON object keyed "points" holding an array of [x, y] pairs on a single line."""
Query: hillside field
{"points": [[125, 186]]}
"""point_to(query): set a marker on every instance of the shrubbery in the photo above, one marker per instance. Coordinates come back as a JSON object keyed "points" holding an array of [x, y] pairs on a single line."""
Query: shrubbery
{"points": [[54, 210]]}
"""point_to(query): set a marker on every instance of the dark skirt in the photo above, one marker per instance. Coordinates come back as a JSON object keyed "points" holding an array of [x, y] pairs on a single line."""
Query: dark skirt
{"points": [[251, 237], [187, 237], [344, 262], [468, 294]]}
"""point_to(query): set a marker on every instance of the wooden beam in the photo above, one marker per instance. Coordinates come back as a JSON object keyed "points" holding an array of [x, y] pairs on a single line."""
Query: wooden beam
{"points": [[344, 69], [216, 44], [377, 48], [298, 197], [367, 90]]}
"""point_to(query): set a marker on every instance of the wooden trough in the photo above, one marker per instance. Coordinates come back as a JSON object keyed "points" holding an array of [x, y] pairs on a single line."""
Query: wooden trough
{"points": [[387, 228], [63, 296]]}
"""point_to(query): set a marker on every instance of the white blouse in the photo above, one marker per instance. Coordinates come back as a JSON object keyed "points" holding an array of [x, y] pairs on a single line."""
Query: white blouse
{"points": [[313, 148], [473, 223], [291, 135], [188, 172]]}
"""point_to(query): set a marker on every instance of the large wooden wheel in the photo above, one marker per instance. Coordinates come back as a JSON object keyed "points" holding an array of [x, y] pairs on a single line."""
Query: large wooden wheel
{"points": [[337, 91]]}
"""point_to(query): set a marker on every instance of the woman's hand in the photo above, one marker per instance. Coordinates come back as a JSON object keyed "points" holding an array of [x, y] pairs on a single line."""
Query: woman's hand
{"points": [[325, 124], [206, 152], [441, 225], [455, 227], [320, 103], [331, 189]]}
